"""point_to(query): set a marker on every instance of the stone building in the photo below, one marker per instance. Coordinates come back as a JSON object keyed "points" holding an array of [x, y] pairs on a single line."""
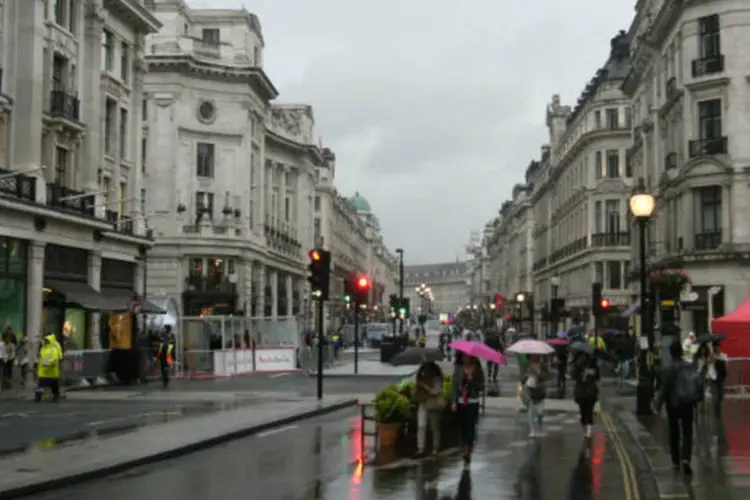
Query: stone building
{"points": [[70, 174], [448, 282], [689, 88]]}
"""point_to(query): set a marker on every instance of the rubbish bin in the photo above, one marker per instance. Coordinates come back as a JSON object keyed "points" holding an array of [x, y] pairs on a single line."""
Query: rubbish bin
{"points": [[388, 349]]}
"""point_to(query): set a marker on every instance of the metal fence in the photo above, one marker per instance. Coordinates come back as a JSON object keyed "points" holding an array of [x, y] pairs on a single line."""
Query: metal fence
{"points": [[308, 357], [738, 376]]}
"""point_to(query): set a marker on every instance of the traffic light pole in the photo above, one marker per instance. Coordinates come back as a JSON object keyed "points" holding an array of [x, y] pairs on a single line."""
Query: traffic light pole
{"points": [[319, 326], [356, 338]]}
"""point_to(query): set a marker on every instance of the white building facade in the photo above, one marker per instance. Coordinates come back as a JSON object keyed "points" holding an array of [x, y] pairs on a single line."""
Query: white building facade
{"points": [[72, 245], [230, 177], [447, 282], [689, 89]]}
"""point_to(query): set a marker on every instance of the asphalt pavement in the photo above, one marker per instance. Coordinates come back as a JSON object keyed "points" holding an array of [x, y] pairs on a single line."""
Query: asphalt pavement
{"points": [[318, 459]]}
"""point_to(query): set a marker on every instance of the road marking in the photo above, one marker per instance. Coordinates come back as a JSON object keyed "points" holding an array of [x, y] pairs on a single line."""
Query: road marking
{"points": [[18, 415], [277, 375], [626, 464], [276, 431]]}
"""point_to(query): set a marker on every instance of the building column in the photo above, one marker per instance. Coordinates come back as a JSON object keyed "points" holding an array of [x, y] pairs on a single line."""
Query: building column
{"points": [[274, 277], [34, 297], [260, 303], [95, 277], [246, 290], [289, 295], [135, 183], [92, 105]]}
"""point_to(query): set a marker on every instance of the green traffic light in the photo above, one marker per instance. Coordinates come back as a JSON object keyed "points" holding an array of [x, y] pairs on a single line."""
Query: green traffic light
{"points": [[402, 311], [347, 298]]}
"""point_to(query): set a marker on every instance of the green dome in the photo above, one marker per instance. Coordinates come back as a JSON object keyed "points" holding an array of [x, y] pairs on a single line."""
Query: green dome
{"points": [[359, 203]]}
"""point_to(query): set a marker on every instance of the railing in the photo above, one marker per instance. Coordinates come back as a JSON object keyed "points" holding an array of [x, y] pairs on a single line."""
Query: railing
{"points": [[69, 199], [707, 65], [65, 105], [568, 250], [122, 226], [19, 185], [738, 376], [670, 161], [708, 147], [610, 239], [364, 419], [708, 241]]}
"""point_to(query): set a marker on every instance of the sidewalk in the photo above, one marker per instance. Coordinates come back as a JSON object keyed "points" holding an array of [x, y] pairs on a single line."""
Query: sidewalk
{"points": [[369, 368], [39, 469], [721, 450]]}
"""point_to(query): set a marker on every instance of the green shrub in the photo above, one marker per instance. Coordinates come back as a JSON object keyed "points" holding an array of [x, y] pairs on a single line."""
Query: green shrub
{"points": [[391, 406]]}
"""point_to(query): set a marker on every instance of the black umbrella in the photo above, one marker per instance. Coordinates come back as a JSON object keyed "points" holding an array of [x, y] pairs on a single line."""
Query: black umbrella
{"points": [[415, 356], [709, 338], [592, 351]]}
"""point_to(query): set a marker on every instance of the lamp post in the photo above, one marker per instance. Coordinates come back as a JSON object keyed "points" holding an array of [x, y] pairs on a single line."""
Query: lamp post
{"points": [[520, 298], [642, 207], [554, 282], [400, 252]]}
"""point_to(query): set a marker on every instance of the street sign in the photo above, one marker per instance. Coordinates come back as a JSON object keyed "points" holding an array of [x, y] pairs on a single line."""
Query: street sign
{"points": [[688, 296]]}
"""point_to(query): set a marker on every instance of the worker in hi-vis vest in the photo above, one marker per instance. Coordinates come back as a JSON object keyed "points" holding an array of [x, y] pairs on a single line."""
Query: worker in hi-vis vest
{"points": [[165, 355], [48, 371]]}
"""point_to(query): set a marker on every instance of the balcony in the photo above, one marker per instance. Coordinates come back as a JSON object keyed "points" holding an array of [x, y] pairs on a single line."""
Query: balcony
{"points": [[708, 147], [570, 249], [707, 65], [707, 241], [69, 199], [120, 225], [281, 237], [64, 105], [610, 239], [207, 284], [670, 161], [18, 186]]}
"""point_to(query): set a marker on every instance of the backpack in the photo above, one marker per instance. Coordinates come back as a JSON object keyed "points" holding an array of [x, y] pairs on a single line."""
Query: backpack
{"points": [[689, 386]]}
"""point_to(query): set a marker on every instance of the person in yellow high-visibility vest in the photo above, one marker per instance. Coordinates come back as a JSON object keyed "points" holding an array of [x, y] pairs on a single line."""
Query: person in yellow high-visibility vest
{"points": [[48, 371], [165, 355]]}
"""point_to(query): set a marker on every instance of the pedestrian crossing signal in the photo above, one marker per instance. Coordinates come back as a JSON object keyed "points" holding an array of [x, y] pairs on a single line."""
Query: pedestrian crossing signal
{"points": [[604, 304]]}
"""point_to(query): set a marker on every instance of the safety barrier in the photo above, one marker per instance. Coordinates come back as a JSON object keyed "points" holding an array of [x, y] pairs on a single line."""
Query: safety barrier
{"points": [[229, 332], [364, 433], [308, 357], [84, 367], [202, 363], [738, 376]]}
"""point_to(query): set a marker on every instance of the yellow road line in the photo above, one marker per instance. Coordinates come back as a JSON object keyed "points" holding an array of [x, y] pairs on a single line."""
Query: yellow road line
{"points": [[632, 491]]}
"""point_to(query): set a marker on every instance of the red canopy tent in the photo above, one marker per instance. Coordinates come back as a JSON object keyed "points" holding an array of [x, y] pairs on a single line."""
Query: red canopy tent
{"points": [[735, 327]]}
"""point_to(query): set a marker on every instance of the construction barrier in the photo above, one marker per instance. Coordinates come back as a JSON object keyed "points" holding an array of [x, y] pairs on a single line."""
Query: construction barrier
{"points": [[738, 376]]}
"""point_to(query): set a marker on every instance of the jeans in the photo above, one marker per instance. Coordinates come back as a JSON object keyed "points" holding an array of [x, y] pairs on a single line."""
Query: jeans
{"points": [[586, 411], [534, 415], [680, 421], [492, 370], [164, 373], [468, 415], [425, 419]]}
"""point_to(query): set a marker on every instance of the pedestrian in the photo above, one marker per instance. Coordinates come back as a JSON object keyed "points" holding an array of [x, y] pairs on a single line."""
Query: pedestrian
{"points": [[534, 393], [562, 366], [468, 385], [585, 374], [682, 388], [430, 406], [48, 371], [717, 375], [165, 356], [9, 358]]}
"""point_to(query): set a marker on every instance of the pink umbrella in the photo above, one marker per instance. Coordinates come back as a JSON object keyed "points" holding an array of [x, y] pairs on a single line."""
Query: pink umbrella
{"points": [[558, 342], [479, 350]]}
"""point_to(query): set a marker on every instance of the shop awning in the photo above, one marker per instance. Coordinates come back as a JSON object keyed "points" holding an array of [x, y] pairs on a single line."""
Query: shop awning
{"points": [[85, 296], [126, 297]]}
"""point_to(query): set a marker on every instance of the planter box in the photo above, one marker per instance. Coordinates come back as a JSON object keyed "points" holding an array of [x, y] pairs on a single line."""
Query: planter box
{"points": [[450, 435]]}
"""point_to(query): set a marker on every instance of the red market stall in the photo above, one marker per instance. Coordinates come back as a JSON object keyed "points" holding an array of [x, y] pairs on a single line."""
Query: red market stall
{"points": [[735, 327]]}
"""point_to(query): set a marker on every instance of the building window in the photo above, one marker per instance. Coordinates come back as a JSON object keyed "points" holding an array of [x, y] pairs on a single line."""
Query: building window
{"points": [[60, 12], [144, 110], [205, 159], [709, 119], [287, 209], [317, 232], [61, 166], [598, 217], [614, 275], [709, 211], [204, 203], [124, 62], [597, 120], [108, 49], [211, 36], [106, 188], [123, 200], [123, 134], [598, 165], [613, 118], [110, 110], [710, 38], [599, 272], [612, 213], [144, 153], [613, 164], [317, 203], [256, 56], [628, 168]]}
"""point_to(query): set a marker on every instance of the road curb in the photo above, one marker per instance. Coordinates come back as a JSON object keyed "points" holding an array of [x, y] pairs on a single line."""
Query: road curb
{"points": [[105, 471], [667, 484]]}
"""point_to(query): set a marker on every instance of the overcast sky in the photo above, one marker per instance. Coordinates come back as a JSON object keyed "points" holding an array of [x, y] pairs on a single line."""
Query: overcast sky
{"points": [[433, 108]]}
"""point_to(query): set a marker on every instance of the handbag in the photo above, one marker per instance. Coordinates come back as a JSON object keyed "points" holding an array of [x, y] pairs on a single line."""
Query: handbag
{"points": [[435, 403]]}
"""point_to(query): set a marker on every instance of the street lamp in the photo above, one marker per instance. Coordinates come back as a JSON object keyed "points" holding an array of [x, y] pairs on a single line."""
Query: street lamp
{"points": [[520, 298], [400, 252], [554, 282], [642, 207]]}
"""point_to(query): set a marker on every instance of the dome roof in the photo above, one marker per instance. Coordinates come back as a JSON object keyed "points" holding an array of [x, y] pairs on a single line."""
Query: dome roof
{"points": [[359, 203]]}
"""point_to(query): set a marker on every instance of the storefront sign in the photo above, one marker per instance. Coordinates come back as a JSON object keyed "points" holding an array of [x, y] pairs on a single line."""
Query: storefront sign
{"points": [[275, 359]]}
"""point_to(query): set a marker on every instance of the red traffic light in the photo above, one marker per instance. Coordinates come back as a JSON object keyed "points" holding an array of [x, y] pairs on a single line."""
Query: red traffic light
{"points": [[604, 304], [363, 283], [314, 255]]}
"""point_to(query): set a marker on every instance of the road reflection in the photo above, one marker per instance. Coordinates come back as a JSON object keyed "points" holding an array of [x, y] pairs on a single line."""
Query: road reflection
{"points": [[529, 479]]}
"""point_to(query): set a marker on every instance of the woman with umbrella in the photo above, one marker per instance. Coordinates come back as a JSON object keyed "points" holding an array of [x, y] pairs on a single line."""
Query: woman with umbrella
{"points": [[468, 385], [430, 405], [585, 373]]}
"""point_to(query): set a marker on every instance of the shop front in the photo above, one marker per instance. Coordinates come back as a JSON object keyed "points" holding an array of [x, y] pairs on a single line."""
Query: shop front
{"points": [[13, 284], [699, 313], [116, 328]]}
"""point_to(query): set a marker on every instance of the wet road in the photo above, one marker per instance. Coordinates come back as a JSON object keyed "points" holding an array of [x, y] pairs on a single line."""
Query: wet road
{"points": [[319, 460]]}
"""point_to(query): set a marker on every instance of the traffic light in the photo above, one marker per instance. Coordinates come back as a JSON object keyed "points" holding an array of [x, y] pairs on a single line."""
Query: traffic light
{"points": [[403, 309], [596, 298], [358, 288], [393, 302], [320, 272], [604, 305]]}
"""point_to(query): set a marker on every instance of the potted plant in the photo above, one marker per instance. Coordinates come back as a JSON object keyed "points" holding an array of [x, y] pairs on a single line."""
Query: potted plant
{"points": [[391, 411], [670, 280]]}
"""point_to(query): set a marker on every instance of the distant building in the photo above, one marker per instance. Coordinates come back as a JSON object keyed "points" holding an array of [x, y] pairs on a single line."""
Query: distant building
{"points": [[447, 282]]}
